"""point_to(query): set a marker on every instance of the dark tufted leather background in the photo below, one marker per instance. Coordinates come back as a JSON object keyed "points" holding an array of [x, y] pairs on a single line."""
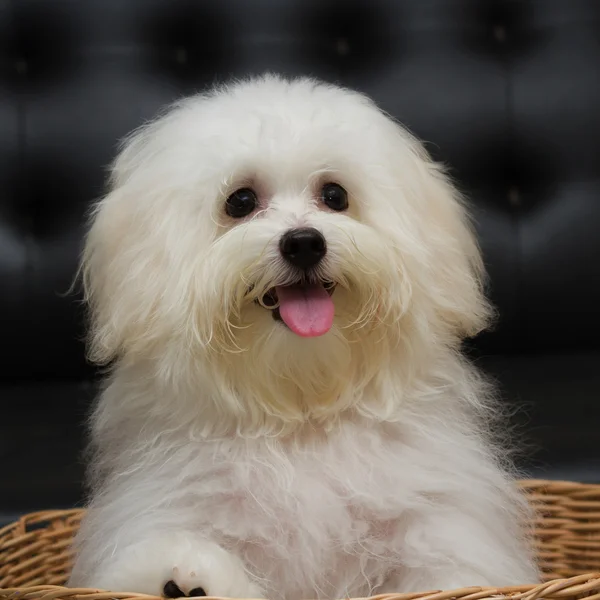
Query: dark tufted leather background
{"points": [[506, 91]]}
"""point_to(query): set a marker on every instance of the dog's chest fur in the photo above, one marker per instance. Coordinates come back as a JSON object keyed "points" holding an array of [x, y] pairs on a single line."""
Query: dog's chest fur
{"points": [[320, 515]]}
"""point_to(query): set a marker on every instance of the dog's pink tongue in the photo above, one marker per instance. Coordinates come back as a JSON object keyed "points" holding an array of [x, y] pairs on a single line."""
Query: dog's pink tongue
{"points": [[306, 309]]}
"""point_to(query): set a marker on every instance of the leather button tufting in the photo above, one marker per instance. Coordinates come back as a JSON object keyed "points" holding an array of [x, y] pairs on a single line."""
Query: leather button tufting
{"points": [[506, 92]]}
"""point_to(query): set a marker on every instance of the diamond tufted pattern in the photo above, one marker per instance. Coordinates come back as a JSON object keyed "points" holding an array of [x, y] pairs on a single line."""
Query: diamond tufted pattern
{"points": [[505, 91]]}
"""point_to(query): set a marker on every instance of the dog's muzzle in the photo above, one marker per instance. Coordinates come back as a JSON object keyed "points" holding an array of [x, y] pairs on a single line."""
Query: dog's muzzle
{"points": [[306, 306]]}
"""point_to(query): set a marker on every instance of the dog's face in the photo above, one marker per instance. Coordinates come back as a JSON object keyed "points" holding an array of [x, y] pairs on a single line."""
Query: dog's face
{"points": [[288, 234]]}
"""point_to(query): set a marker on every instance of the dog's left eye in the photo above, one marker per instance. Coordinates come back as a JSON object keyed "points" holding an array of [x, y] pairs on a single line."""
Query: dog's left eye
{"points": [[334, 196], [241, 203]]}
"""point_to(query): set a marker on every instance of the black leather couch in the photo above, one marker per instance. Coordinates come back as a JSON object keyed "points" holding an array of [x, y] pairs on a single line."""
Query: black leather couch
{"points": [[506, 91]]}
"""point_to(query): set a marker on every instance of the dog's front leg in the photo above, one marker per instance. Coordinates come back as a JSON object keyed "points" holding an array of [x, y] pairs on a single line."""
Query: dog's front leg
{"points": [[430, 579], [446, 549], [168, 564]]}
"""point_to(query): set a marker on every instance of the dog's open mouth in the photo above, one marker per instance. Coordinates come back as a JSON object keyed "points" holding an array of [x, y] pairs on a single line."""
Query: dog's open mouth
{"points": [[306, 308]]}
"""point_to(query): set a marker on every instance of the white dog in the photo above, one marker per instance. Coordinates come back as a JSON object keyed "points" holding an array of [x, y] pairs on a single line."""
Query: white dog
{"points": [[281, 279]]}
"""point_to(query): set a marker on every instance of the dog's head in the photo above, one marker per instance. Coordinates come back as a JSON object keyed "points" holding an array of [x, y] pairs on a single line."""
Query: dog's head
{"points": [[287, 238]]}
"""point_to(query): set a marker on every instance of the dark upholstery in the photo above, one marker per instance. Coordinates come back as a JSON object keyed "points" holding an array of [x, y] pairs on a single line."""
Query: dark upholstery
{"points": [[506, 91]]}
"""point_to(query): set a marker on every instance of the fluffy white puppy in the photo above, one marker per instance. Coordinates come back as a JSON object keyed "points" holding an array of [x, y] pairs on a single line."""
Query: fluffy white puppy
{"points": [[281, 279]]}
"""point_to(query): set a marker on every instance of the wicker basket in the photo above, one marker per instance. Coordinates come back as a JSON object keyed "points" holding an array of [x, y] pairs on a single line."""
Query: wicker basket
{"points": [[35, 559]]}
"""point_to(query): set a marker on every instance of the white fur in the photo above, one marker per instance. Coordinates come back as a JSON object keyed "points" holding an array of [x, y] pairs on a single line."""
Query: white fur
{"points": [[233, 455]]}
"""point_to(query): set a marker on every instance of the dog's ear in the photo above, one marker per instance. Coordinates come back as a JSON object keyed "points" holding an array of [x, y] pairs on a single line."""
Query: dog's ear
{"points": [[456, 270], [136, 276], [447, 273], [112, 269]]}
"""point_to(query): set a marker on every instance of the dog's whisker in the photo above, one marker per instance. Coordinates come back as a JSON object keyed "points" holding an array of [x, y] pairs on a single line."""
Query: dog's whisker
{"points": [[356, 247]]}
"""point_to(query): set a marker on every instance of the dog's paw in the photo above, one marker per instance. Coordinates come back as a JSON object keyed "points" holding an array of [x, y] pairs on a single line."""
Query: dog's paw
{"points": [[208, 570], [172, 590], [177, 566]]}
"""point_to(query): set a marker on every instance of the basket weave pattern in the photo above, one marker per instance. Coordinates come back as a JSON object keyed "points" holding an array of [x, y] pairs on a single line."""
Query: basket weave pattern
{"points": [[35, 557]]}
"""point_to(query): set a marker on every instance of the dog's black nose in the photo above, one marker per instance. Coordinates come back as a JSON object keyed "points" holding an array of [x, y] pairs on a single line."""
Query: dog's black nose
{"points": [[303, 247]]}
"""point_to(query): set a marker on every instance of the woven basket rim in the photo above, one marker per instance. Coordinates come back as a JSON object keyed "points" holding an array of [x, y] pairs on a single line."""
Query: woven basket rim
{"points": [[566, 588], [556, 588], [557, 485]]}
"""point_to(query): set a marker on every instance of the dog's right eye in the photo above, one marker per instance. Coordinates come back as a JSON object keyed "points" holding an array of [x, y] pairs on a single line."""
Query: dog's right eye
{"points": [[241, 203]]}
